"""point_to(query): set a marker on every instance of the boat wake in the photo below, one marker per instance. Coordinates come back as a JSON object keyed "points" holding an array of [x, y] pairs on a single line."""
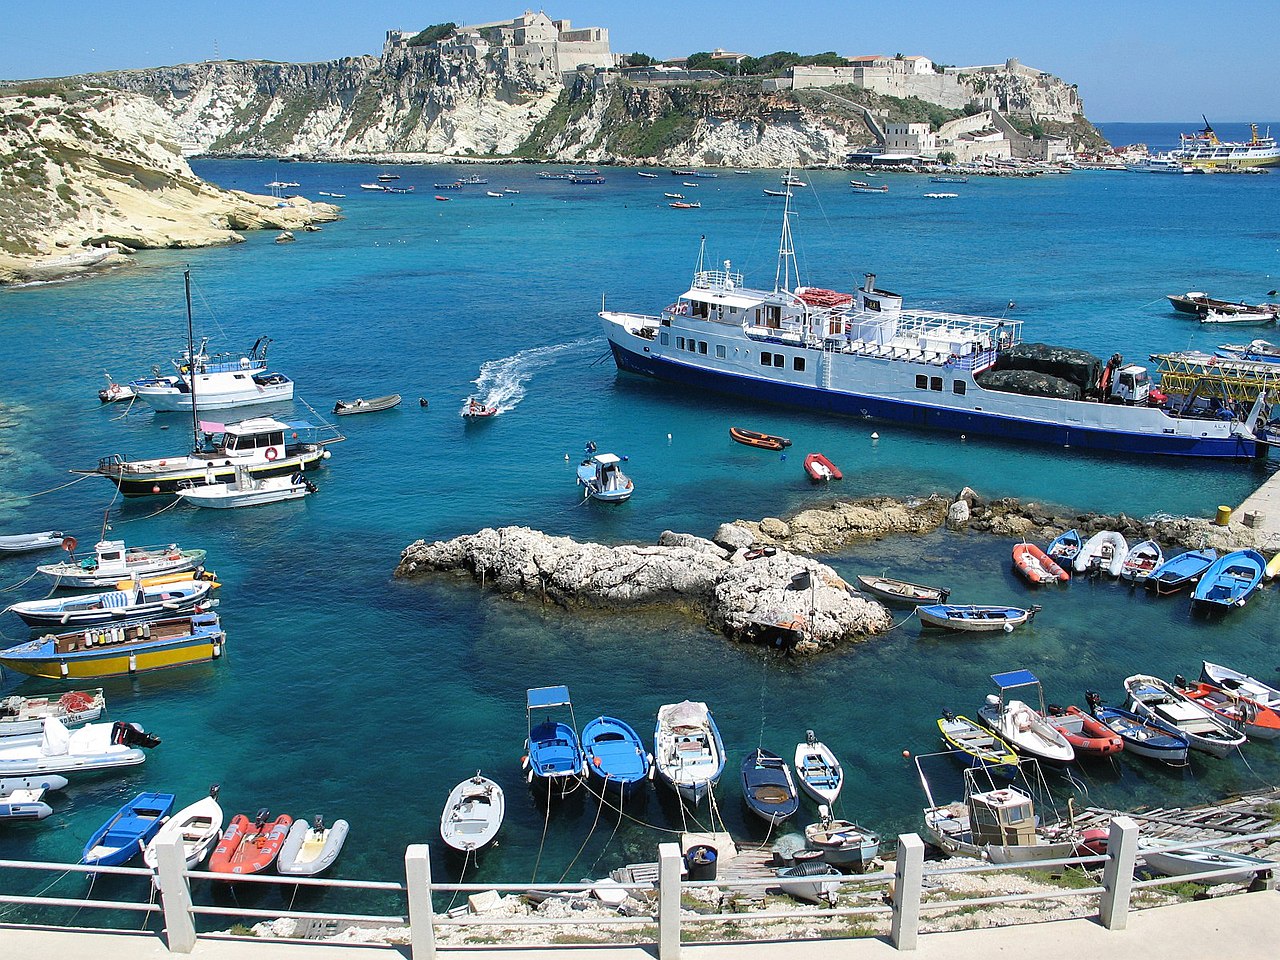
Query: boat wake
{"points": [[501, 383]]}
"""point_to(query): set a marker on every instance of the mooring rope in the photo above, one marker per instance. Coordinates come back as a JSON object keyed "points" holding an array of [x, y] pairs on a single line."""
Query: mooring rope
{"points": [[586, 840], [462, 876], [546, 821], [621, 798]]}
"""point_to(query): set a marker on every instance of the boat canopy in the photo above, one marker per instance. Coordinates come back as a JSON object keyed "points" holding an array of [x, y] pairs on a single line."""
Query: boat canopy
{"points": [[607, 458], [540, 697], [1014, 678], [725, 299]]}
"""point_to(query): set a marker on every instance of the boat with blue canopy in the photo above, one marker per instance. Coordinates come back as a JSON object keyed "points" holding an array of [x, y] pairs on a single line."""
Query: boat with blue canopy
{"points": [[1178, 573], [128, 831], [1230, 580], [554, 755], [616, 755]]}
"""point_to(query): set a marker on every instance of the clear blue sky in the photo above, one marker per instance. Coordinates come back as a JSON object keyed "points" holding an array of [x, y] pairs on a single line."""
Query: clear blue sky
{"points": [[1133, 59]]}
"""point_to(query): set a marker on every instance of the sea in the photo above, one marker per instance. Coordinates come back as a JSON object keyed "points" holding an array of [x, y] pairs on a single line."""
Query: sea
{"points": [[347, 693]]}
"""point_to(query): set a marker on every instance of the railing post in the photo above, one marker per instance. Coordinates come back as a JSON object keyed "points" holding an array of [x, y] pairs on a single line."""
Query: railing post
{"points": [[908, 878], [417, 873], [1117, 875], [175, 895], [669, 866]]}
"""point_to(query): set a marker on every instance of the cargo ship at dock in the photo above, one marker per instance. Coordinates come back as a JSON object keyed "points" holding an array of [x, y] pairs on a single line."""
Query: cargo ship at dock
{"points": [[864, 354]]}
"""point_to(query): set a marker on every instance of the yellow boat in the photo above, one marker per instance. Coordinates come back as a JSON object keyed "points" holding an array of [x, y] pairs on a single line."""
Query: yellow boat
{"points": [[1273, 567], [170, 578]]}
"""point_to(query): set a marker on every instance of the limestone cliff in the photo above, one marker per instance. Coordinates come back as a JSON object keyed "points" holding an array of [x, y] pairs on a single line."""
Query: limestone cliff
{"points": [[87, 167]]}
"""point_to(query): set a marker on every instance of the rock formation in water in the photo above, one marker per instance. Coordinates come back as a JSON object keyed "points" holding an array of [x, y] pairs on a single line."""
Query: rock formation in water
{"points": [[84, 167], [781, 598]]}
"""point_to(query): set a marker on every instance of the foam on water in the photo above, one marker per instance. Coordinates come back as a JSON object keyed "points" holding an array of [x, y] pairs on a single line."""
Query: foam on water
{"points": [[502, 382]]}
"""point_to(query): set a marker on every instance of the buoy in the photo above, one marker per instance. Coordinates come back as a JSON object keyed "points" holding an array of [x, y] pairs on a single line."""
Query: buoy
{"points": [[962, 438], [327, 454], [155, 488], [874, 435], [566, 458], [783, 457], [668, 438], [1008, 628], [906, 754]]}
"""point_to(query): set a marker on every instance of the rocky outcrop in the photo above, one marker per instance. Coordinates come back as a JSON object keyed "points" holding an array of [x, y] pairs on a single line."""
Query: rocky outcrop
{"points": [[98, 167], [772, 596]]}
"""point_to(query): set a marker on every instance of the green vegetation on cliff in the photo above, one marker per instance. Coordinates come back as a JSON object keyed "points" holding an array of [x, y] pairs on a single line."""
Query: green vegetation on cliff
{"points": [[433, 33]]}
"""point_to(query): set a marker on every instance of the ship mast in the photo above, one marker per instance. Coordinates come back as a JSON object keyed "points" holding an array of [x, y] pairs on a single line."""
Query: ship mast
{"points": [[191, 367], [786, 247]]}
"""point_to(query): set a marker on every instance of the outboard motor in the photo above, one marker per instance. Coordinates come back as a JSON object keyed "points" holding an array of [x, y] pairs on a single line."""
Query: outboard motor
{"points": [[1180, 681], [132, 735], [1093, 699]]}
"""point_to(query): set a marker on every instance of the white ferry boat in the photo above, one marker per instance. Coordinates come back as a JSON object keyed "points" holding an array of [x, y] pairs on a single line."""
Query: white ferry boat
{"points": [[863, 354], [223, 381], [1204, 149]]}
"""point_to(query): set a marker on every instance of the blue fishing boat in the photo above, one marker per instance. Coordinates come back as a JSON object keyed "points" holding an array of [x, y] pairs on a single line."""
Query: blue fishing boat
{"points": [[129, 830], [1064, 548], [616, 755], [1180, 572], [603, 478], [974, 618], [1230, 580], [1145, 737], [767, 786], [554, 758]]}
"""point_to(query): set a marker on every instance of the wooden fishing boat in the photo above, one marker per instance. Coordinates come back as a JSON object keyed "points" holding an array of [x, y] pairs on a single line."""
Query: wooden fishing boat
{"points": [[120, 650], [250, 846], [616, 755], [996, 824], [126, 605], [813, 882], [1159, 700], [1036, 566], [764, 441], [473, 409], [976, 746], [20, 716], [360, 405], [1022, 725], [1180, 572], [1103, 553], [975, 618], [128, 831], [603, 479], [310, 849], [27, 542], [843, 843], [473, 814], [767, 787], [198, 826], [113, 561], [1142, 736], [1253, 718], [553, 754], [1141, 561], [1158, 855], [777, 193], [1065, 547], [1088, 735], [22, 798], [1197, 302], [901, 591], [819, 772], [91, 748], [1230, 580], [819, 468], [687, 749], [1237, 682]]}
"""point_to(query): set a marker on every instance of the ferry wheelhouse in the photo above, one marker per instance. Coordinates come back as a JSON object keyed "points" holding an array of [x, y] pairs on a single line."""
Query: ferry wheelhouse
{"points": [[864, 354]]}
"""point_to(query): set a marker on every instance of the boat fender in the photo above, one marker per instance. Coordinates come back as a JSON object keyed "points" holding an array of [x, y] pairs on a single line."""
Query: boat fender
{"points": [[271, 453], [1008, 628]]}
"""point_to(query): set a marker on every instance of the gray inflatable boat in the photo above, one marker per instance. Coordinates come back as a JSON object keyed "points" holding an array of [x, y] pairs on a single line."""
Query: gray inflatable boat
{"points": [[311, 848]]}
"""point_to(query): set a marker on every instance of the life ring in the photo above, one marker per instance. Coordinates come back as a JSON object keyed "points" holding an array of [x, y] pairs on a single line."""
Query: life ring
{"points": [[114, 388], [271, 453]]}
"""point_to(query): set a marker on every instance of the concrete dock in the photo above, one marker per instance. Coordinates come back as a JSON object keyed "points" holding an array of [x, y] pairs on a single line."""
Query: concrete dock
{"points": [[1261, 510]]}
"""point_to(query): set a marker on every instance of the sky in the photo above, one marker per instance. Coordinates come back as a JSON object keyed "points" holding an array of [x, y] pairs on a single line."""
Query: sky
{"points": [[1134, 60]]}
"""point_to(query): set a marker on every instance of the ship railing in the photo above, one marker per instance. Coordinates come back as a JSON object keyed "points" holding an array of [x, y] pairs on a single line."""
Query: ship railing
{"points": [[903, 893], [717, 280]]}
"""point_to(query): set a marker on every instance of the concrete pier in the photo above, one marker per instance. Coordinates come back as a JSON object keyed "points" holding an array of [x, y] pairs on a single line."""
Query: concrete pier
{"points": [[1260, 511]]}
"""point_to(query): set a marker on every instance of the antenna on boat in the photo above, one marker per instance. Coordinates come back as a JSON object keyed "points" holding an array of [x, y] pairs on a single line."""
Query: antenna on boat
{"points": [[702, 252], [191, 364], [786, 248]]}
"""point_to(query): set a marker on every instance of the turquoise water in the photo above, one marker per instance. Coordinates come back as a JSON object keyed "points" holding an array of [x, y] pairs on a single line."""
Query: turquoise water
{"points": [[347, 693]]}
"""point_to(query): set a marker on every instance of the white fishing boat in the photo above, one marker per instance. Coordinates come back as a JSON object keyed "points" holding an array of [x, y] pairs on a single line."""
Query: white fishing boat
{"points": [[1160, 858], [126, 605], [222, 381], [1241, 683], [246, 490], [603, 479], [22, 798], [311, 848], [1104, 552], [688, 751], [1237, 316], [198, 826], [472, 814], [1021, 724], [819, 772], [1161, 701], [24, 716], [115, 392], [29, 542], [843, 843], [112, 561], [57, 750]]}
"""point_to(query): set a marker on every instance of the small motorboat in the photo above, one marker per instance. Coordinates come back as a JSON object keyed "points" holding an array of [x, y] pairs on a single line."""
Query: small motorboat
{"points": [[1237, 316], [1141, 561], [310, 849], [22, 798], [975, 618], [1036, 566], [767, 786], [510, 190], [843, 843], [1227, 679], [1257, 351], [819, 772], [494, 193], [21, 716], [616, 756], [820, 469], [790, 181], [115, 392], [553, 754], [1230, 580], [674, 196], [647, 176], [1180, 572], [1142, 736], [685, 205], [1159, 700], [1157, 854], [603, 479], [1023, 726], [764, 441], [115, 606], [384, 177], [376, 187], [687, 749], [57, 750], [1253, 718], [1088, 735], [901, 591], [250, 846], [473, 814], [360, 405], [867, 188], [246, 490], [777, 193], [1103, 553], [473, 409], [128, 831], [444, 199], [1065, 547], [28, 542], [814, 881], [113, 561], [198, 826], [976, 746]]}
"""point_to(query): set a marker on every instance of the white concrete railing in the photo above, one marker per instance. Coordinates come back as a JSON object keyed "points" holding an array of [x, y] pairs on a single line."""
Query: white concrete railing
{"points": [[904, 905]]}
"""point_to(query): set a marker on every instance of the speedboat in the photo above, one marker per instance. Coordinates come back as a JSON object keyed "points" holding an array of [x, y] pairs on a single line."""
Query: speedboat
{"points": [[1180, 572], [20, 716], [474, 409], [222, 381], [197, 826], [843, 843], [22, 798], [767, 786], [1230, 580], [472, 814], [112, 561], [1142, 736], [1065, 547], [553, 757], [116, 606], [603, 478], [250, 846], [28, 542], [1103, 553], [1021, 724], [246, 490], [115, 392], [128, 831], [1159, 700], [819, 772], [902, 591], [57, 750], [1036, 566], [1258, 351], [1237, 316], [976, 746], [1141, 561], [310, 849], [616, 755], [688, 751], [975, 618]]}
